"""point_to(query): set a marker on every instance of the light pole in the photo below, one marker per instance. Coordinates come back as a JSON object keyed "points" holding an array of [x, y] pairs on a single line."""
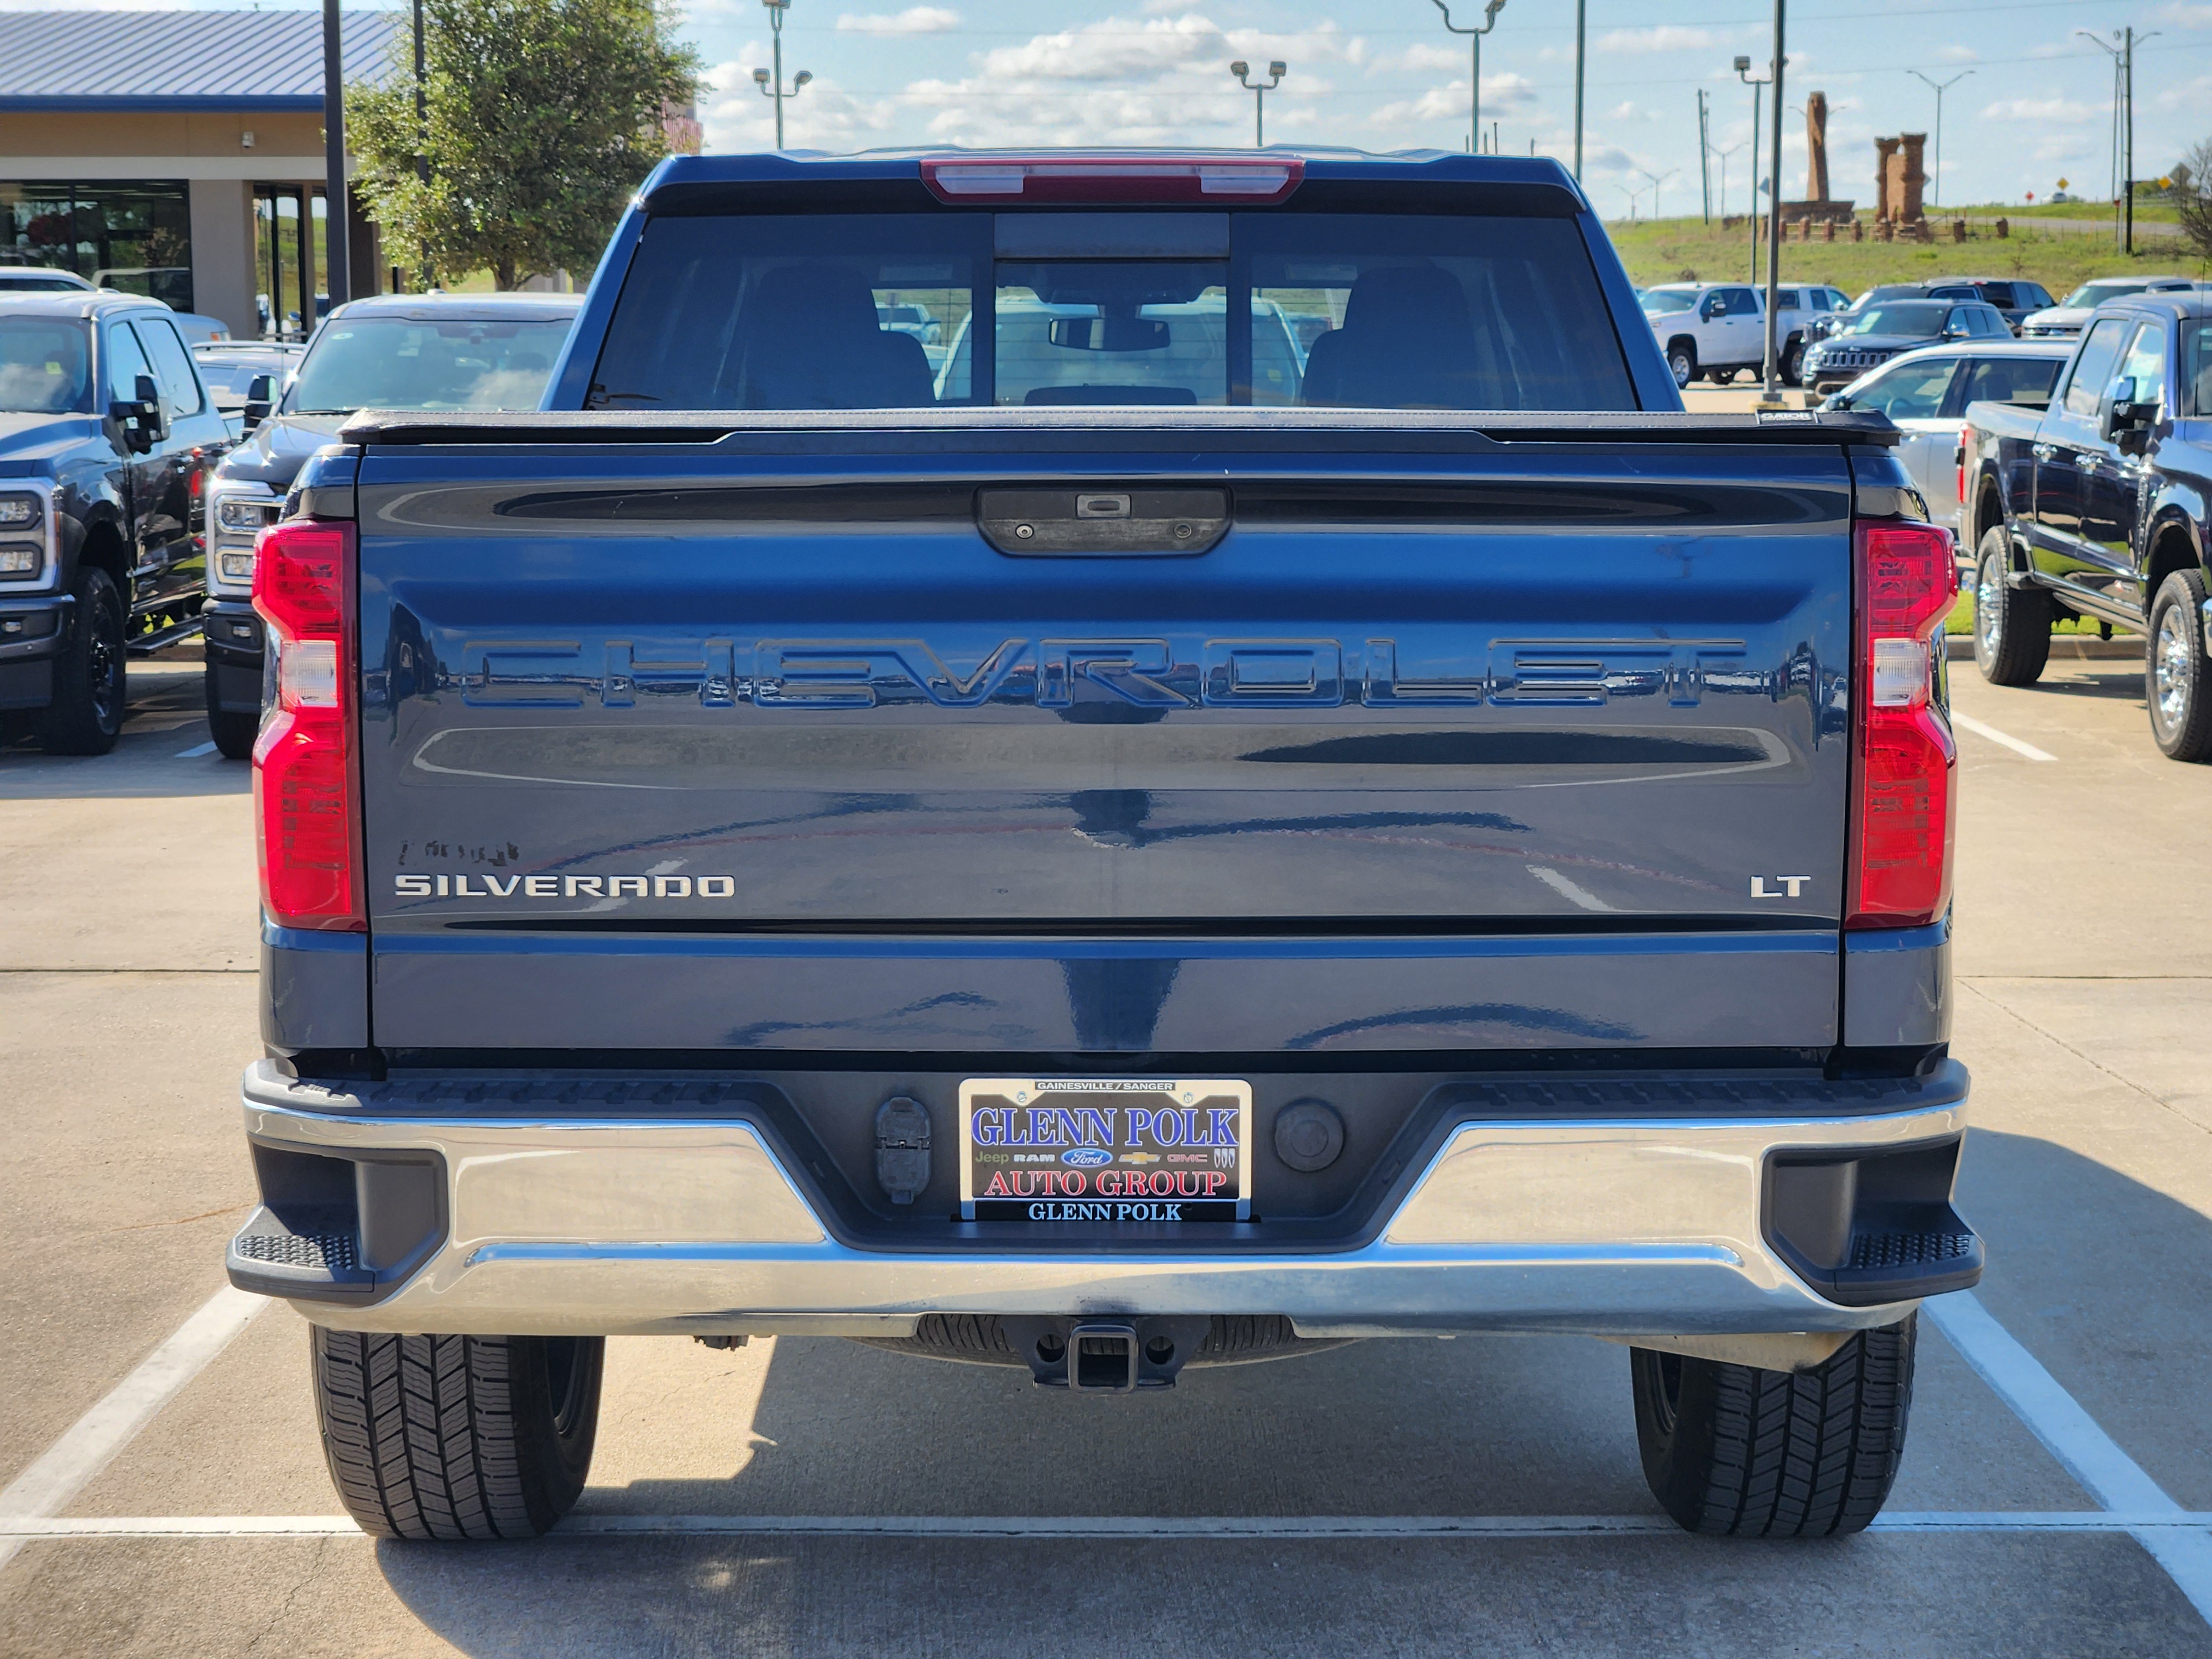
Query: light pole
{"points": [[1755, 82], [334, 256], [2115, 124], [1772, 398], [1276, 71], [1579, 9], [1657, 179], [1722, 155], [1704, 160], [1629, 191], [1940, 88], [1474, 70], [772, 87]]}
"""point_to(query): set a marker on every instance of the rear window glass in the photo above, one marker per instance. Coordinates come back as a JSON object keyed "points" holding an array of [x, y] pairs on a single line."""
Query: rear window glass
{"points": [[912, 310], [2010, 380]]}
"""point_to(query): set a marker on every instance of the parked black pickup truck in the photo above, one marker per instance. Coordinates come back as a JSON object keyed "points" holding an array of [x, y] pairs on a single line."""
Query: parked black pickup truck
{"points": [[1133, 851], [2096, 506], [105, 435]]}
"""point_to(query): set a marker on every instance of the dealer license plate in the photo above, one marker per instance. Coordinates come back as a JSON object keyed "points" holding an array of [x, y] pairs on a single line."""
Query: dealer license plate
{"points": [[1115, 1151]]}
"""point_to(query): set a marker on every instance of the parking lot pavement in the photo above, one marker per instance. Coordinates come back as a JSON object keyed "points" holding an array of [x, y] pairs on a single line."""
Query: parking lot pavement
{"points": [[814, 1496]]}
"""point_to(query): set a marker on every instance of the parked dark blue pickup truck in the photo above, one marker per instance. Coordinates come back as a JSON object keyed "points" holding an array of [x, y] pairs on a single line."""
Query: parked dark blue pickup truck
{"points": [[1119, 845], [2096, 506]]}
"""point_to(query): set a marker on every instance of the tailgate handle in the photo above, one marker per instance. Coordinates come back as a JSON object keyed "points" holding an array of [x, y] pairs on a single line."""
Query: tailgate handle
{"points": [[1104, 521]]}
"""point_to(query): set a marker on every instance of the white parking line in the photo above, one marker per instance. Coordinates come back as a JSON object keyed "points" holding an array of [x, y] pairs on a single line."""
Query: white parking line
{"points": [[1982, 729], [2093, 1457], [1222, 1527], [194, 754], [1570, 891], [68, 1466]]}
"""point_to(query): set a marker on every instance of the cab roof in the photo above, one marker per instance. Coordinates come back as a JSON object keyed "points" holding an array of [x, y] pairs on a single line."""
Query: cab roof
{"points": [[77, 304], [464, 307], [1321, 179]]}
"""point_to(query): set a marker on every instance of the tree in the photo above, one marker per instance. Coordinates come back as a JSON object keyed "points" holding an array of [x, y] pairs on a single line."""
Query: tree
{"points": [[2191, 205], [542, 116]]}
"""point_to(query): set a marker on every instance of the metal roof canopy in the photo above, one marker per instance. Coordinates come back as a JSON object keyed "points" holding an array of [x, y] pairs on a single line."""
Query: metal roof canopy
{"points": [[182, 60]]}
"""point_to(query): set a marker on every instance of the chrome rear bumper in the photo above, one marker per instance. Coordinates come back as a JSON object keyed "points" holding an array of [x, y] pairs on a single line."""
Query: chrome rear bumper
{"points": [[671, 1226]]}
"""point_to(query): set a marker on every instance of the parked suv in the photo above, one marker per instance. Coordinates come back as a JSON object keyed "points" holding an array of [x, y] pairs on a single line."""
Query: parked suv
{"points": [[105, 430], [1872, 336], [428, 351]]}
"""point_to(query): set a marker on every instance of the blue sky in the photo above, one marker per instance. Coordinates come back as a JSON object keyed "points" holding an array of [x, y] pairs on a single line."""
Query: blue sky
{"points": [[1383, 75]]}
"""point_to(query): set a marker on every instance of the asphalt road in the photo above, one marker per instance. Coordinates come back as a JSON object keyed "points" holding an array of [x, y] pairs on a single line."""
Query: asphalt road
{"points": [[812, 1497]]}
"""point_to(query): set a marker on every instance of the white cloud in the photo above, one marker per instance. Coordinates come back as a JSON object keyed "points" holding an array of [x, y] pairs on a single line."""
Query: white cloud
{"points": [[2050, 108], [1959, 55], [738, 118], [2188, 14], [915, 20], [1157, 79], [1659, 37]]}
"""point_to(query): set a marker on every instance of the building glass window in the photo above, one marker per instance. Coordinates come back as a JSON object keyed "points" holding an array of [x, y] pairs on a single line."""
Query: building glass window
{"points": [[131, 235], [292, 268]]}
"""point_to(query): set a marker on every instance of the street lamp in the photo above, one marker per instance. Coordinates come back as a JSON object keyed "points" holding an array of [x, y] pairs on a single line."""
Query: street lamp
{"points": [[1940, 88], [1276, 71], [772, 86], [1756, 82], [1474, 72], [1722, 155], [1657, 179]]}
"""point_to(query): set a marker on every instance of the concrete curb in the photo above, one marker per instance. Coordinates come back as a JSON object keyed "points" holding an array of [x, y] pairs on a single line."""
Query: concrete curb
{"points": [[2064, 647]]}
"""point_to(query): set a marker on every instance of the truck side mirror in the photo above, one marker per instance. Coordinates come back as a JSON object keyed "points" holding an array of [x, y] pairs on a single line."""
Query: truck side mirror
{"points": [[140, 415], [260, 400], [2126, 424]]}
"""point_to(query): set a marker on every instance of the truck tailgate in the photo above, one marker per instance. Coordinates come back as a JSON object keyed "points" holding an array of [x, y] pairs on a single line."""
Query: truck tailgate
{"points": [[764, 745]]}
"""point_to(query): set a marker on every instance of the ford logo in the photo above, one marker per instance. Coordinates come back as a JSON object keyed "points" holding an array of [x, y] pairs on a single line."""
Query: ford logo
{"points": [[1087, 1158]]}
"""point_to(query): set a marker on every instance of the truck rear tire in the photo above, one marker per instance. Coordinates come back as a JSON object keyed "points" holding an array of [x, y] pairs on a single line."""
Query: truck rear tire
{"points": [[2174, 669], [233, 730], [91, 676], [1753, 1454], [2012, 625], [457, 1437]]}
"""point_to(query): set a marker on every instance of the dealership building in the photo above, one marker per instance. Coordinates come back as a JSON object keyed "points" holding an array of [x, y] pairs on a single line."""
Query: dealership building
{"points": [[179, 154]]}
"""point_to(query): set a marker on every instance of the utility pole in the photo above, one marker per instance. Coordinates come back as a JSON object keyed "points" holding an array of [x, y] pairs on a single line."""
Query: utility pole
{"points": [[1474, 72], [427, 277], [1580, 5], [1772, 398], [334, 170], [774, 88], [1940, 88], [1704, 160], [1755, 82], [2128, 183], [1242, 71]]}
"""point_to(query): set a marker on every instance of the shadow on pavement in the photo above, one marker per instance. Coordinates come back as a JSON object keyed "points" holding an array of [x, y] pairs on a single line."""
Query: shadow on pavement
{"points": [[1495, 1426]]}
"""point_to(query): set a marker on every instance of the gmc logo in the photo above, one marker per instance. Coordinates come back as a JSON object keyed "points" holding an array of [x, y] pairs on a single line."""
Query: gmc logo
{"points": [[1054, 674]]}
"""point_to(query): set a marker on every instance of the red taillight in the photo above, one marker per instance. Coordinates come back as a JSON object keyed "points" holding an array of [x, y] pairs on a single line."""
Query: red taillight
{"points": [[304, 769], [1256, 181], [1905, 784]]}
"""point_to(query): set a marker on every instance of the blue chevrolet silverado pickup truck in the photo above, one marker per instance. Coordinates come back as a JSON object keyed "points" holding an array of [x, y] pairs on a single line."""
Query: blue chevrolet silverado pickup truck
{"points": [[2097, 503], [1273, 790]]}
